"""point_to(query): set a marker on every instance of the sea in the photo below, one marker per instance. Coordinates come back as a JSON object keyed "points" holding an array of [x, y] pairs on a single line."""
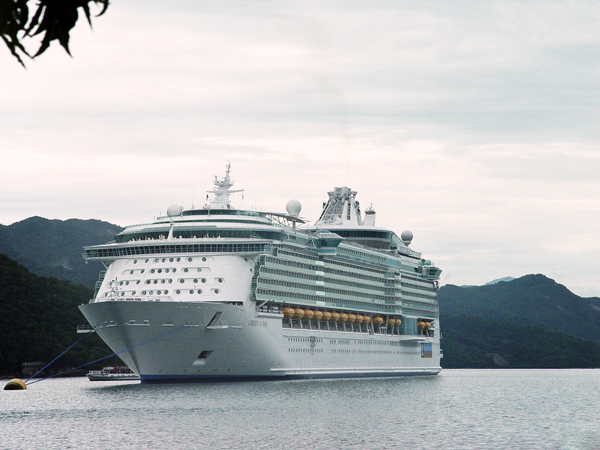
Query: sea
{"points": [[458, 409]]}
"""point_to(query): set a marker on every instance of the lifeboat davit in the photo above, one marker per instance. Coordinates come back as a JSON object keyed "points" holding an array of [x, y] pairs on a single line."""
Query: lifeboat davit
{"points": [[298, 313], [288, 312]]}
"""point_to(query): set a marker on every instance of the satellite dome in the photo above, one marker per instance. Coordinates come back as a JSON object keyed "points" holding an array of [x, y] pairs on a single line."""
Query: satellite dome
{"points": [[293, 208], [406, 237], [174, 210]]}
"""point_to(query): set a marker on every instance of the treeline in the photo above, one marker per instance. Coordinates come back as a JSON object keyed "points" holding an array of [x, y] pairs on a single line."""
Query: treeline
{"points": [[38, 321], [476, 342]]}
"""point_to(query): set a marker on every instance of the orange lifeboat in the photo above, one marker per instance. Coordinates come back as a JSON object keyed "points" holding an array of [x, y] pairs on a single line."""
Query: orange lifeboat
{"points": [[398, 322], [335, 316], [288, 312], [298, 313], [317, 315], [308, 314], [344, 317], [366, 319], [377, 320], [359, 318], [391, 322], [427, 325], [351, 318], [421, 325], [326, 315]]}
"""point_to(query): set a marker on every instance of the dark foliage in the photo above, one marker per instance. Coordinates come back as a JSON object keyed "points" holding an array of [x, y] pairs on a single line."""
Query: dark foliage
{"points": [[472, 342], [38, 321], [53, 19], [54, 247]]}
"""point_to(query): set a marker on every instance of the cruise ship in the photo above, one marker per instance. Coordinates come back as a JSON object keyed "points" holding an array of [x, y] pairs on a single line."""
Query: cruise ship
{"points": [[219, 293]]}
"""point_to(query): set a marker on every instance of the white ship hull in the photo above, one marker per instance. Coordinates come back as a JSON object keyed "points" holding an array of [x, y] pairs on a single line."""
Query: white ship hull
{"points": [[168, 341]]}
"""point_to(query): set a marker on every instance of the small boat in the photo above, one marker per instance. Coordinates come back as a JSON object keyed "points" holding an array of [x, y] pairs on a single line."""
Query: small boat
{"points": [[117, 373]]}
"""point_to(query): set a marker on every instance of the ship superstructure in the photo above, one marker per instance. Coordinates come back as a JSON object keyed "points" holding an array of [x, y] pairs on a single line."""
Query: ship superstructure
{"points": [[223, 293]]}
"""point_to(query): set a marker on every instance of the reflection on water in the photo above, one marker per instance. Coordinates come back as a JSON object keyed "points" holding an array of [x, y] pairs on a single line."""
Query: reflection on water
{"points": [[462, 409]]}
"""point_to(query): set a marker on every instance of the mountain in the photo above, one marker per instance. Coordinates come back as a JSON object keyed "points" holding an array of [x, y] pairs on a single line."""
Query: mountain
{"points": [[532, 300], [498, 280], [38, 321], [54, 247]]}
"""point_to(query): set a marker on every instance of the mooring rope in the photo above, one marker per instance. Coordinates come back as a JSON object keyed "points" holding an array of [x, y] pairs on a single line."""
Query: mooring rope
{"points": [[147, 341]]}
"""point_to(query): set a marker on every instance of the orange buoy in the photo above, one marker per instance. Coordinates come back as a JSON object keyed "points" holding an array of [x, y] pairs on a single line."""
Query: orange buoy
{"points": [[326, 315], [318, 315], [288, 312], [308, 314], [377, 320], [298, 313], [335, 316], [15, 385], [351, 318]]}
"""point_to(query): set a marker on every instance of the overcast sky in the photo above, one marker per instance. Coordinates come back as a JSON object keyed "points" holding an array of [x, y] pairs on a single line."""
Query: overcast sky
{"points": [[474, 124]]}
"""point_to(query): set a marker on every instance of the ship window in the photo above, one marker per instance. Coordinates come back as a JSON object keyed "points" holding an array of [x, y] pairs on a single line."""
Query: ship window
{"points": [[166, 292], [195, 280], [156, 260], [164, 260], [204, 280], [135, 261], [170, 259], [151, 292], [138, 282], [147, 260], [181, 280], [158, 292], [178, 259], [155, 281], [178, 292], [190, 259], [199, 269], [191, 291], [186, 270], [133, 293], [127, 283], [217, 291], [220, 280], [162, 281], [151, 270], [174, 270], [199, 291], [166, 270], [159, 270], [204, 259], [143, 270], [147, 281], [170, 280], [131, 272], [143, 292]]}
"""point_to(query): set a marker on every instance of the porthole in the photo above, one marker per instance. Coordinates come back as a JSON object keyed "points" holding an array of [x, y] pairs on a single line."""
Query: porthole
{"points": [[135, 261], [147, 281], [174, 270], [151, 292], [204, 259], [152, 270], [170, 259], [190, 259], [191, 291], [143, 270], [131, 272], [204, 280], [186, 270], [159, 270], [217, 291], [166, 292], [181, 280], [164, 260], [199, 291], [158, 292], [166, 270], [155, 281], [170, 280], [195, 280], [137, 282], [199, 269], [156, 260], [178, 259], [178, 292], [121, 283], [122, 294], [133, 293], [143, 292], [162, 281], [147, 260], [127, 283], [220, 280]]}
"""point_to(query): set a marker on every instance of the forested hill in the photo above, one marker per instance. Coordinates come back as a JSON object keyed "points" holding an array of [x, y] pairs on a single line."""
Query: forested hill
{"points": [[532, 300], [54, 247], [38, 321]]}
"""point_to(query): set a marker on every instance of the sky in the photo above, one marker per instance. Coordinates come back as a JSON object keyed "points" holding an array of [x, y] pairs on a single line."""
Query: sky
{"points": [[476, 125]]}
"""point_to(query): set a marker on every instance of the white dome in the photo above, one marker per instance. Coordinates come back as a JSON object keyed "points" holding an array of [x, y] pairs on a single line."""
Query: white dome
{"points": [[293, 207], [406, 237], [174, 210]]}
